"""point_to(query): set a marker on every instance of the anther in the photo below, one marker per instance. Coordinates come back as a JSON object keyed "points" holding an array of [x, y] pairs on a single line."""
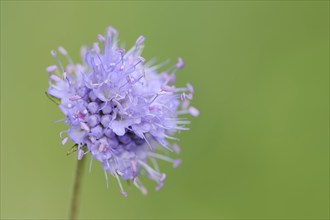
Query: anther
{"points": [[55, 78], [180, 63], [176, 148], [65, 140], [62, 51], [111, 30], [51, 68], [176, 163], [193, 111], [159, 186], [101, 38], [190, 96], [183, 96], [53, 53], [167, 88], [139, 41], [96, 48], [190, 88], [120, 186]]}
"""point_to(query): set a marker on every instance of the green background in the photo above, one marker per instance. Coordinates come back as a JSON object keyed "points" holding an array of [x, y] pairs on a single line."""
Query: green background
{"points": [[261, 73]]}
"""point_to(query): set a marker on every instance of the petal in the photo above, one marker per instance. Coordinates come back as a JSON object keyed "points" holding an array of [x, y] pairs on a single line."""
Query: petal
{"points": [[105, 92], [118, 127], [76, 134]]}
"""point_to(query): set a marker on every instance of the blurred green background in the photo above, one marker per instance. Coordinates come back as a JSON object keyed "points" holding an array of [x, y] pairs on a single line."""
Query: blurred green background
{"points": [[261, 73]]}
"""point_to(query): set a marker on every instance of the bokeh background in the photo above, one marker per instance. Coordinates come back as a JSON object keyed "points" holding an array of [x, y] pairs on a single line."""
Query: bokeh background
{"points": [[261, 73]]}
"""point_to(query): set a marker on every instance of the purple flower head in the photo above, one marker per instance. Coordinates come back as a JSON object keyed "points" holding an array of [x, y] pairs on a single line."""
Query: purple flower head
{"points": [[120, 109]]}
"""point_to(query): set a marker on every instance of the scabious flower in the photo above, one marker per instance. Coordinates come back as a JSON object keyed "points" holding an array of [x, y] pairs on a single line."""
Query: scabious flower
{"points": [[119, 109]]}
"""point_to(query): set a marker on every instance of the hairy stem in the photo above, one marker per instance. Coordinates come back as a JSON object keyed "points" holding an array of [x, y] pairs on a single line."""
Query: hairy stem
{"points": [[73, 212]]}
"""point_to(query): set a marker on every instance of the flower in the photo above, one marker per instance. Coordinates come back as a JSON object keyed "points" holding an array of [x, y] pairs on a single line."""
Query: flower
{"points": [[119, 109]]}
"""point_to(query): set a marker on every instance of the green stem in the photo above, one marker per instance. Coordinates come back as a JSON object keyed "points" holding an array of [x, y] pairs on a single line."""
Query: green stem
{"points": [[73, 212]]}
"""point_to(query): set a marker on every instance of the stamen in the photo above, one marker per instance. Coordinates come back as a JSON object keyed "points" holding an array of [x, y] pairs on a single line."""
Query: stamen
{"points": [[193, 111], [185, 104], [65, 53], [140, 186], [181, 90], [51, 68], [167, 88], [111, 31], [175, 163], [94, 66], [83, 52], [170, 137], [183, 122], [131, 80], [140, 60], [120, 186], [158, 177], [139, 41], [144, 137], [106, 178], [65, 76], [61, 133], [101, 38], [180, 63], [169, 78], [59, 120], [90, 165], [156, 96], [174, 127], [176, 148], [122, 52], [190, 88], [62, 51], [65, 140], [154, 162], [96, 48], [53, 53], [183, 96], [102, 65], [159, 186], [134, 169], [156, 67], [111, 34]]}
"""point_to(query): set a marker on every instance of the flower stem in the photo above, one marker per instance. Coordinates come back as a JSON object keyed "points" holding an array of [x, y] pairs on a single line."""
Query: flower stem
{"points": [[73, 212]]}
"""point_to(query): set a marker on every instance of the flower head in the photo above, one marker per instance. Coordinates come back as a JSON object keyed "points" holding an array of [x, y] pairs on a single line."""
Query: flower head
{"points": [[119, 108]]}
